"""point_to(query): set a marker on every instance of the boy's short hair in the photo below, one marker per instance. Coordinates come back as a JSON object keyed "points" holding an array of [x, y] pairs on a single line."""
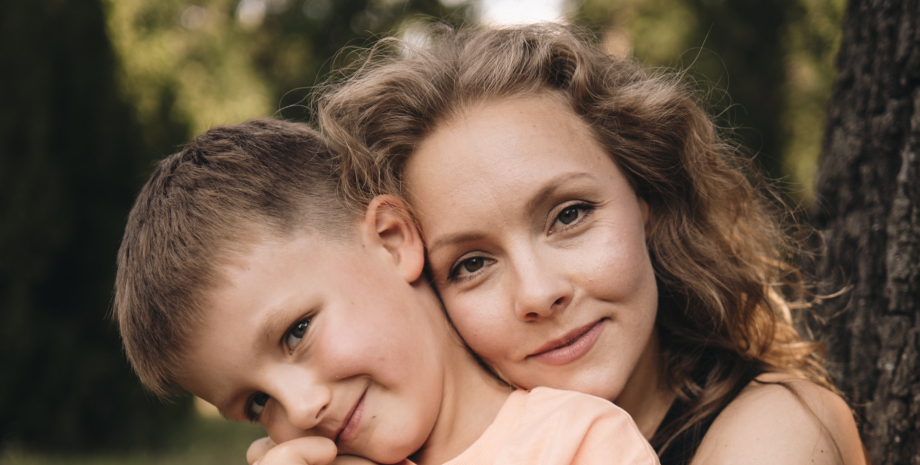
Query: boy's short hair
{"points": [[202, 207]]}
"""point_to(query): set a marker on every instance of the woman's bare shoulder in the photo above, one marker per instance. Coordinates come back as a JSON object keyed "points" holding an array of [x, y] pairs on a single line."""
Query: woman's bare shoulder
{"points": [[782, 419]]}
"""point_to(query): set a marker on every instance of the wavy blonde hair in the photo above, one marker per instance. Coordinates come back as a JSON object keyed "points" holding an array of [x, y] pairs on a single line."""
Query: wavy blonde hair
{"points": [[716, 240]]}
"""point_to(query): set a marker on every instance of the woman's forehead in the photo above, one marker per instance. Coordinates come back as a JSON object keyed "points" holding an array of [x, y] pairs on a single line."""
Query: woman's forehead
{"points": [[502, 162], [505, 141], [508, 130]]}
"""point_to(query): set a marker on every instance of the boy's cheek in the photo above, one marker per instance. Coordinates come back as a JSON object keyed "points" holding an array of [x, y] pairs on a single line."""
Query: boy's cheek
{"points": [[279, 431]]}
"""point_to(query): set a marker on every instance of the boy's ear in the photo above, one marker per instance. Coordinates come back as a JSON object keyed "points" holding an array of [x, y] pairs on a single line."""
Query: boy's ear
{"points": [[388, 224]]}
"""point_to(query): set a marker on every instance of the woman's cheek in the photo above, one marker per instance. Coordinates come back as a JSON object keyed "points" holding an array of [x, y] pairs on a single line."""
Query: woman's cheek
{"points": [[623, 272], [480, 321]]}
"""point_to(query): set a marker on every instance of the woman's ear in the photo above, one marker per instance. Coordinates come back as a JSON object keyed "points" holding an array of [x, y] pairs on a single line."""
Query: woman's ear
{"points": [[643, 207], [388, 224], [646, 217]]}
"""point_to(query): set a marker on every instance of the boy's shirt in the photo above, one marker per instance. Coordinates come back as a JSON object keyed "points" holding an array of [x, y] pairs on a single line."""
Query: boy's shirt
{"points": [[552, 427]]}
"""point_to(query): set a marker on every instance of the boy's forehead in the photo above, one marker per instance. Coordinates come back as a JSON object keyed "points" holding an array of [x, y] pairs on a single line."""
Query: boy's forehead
{"points": [[240, 255], [260, 288]]}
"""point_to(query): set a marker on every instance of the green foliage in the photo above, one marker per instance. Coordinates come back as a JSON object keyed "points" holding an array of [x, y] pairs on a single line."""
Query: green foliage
{"points": [[766, 67], [811, 41], [229, 60]]}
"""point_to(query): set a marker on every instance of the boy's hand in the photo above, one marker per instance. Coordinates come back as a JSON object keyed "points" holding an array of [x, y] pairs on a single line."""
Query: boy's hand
{"points": [[312, 450], [258, 449], [352, 460]]}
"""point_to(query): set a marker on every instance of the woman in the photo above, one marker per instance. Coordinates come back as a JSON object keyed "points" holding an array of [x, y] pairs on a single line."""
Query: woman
{"points": [[581, 204]]}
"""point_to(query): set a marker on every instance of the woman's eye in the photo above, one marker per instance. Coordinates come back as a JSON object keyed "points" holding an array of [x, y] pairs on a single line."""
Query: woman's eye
{"points": [[472, 265], [257, 405], [569, 215], [468, 267], [296, 333]]}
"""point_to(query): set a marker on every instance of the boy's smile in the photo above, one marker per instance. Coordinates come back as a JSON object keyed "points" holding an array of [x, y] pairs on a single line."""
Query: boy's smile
{"points": [[312, 336]]}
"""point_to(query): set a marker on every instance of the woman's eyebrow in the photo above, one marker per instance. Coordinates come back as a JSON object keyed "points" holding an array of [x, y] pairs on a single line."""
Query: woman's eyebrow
{"points": [[535, 201], [553, 185], [456, 238]]}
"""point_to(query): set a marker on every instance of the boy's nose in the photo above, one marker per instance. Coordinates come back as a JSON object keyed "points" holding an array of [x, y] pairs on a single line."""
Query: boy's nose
{"points": [[304, 405]]}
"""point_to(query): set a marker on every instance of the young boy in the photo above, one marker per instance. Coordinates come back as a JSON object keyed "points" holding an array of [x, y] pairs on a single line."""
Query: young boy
{"points": [[245, 278]]}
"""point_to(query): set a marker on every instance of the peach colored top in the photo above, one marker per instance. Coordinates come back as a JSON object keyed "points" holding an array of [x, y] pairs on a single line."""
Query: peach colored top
{"points": [[552, 427]]}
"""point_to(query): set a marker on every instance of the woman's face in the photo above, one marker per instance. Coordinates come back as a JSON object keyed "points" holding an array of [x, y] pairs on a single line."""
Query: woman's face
{"points": [[537, 244]]}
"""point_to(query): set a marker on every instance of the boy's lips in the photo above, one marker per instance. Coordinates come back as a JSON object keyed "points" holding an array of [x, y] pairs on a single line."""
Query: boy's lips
{"points": [[571, 346], [349, 428]]}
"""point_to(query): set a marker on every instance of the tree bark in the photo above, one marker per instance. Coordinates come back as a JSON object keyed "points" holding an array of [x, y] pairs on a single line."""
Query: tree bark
{"points": [[868, 213]]}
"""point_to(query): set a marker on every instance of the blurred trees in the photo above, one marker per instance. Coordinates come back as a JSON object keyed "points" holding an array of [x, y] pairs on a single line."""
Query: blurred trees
{"points": [[83, 117], [774, 60], [67, 178], [221, 61]]}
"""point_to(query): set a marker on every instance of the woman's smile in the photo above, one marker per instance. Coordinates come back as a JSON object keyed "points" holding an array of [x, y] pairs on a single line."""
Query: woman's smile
{"points": [[571, 346]]}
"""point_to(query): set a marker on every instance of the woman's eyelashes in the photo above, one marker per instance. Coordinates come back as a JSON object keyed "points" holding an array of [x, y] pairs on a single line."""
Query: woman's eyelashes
{"points": [[296, 333], [468, 268], [255, 406], [570, 216]]}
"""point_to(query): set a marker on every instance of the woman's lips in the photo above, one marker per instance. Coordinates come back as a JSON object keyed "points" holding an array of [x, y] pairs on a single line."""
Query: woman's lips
{"points": [[350, 428], [570, 347]]}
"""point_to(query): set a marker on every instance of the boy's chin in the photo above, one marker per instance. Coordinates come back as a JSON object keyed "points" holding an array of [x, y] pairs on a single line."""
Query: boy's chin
{"points": [[390, 455]]}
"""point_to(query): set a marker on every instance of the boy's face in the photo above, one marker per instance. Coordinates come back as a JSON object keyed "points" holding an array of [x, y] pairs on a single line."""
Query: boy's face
{"points": [[318, 337]]}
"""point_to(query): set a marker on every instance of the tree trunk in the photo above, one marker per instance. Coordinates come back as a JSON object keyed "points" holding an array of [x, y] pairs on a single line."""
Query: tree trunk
{"points": [[868, 213]]}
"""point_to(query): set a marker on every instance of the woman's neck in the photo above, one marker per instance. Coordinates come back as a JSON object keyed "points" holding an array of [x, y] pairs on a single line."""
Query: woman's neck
{"points": [[646, 397], [470, 402]]}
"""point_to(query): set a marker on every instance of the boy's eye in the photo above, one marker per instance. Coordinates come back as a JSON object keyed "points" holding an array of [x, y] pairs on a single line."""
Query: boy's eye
{"points": [[257, 405], [296, 333]]}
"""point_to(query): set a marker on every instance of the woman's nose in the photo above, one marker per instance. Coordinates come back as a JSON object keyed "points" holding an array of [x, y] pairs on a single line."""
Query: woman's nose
{"points": [[541, 290]]}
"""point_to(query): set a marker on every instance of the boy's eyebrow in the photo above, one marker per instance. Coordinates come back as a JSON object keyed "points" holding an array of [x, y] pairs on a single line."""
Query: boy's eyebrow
{"points": [[223, 414], [222, 407], [273, 324]]}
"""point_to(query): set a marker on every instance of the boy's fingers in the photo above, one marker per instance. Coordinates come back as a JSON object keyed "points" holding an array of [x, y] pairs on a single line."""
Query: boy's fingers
{"points": [[352, 460], [301, 451], [258, 449]]}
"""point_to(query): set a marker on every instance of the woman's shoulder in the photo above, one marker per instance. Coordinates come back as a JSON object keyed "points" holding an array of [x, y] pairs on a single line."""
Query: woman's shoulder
{"points": [[779, 418]]}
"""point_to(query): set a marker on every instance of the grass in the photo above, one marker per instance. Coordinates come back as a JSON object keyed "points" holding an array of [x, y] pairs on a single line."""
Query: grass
{"points": [[207, 441]]}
